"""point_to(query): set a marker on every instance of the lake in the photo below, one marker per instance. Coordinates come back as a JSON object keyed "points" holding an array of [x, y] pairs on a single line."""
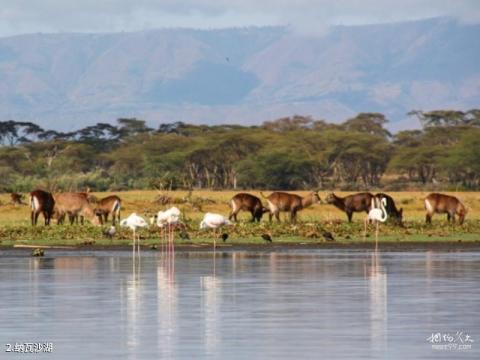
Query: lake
{"points": [[334, 304]]}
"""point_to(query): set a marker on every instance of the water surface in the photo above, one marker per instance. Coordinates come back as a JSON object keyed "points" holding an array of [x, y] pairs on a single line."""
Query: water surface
{"points": [[302, 304]]}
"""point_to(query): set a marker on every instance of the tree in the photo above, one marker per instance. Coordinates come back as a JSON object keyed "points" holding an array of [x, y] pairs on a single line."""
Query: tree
{"points": [[370, 123], [132, 126], [446, 117], [18, 132]]}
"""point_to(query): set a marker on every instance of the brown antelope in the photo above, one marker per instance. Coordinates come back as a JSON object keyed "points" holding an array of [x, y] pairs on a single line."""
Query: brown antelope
{"points": [[41, 202], [60, 214], [109, 205], [282, 201], [16, 199], [436, 203], [74, 205], [352, 203], [247, 202], [393, 213]]}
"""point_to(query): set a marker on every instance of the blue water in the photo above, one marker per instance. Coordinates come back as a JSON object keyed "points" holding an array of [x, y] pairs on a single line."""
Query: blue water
{"points": [[303, 304]]}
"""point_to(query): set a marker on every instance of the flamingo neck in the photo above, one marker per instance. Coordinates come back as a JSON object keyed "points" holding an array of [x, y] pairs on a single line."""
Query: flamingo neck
{"points": [[384, 211]]}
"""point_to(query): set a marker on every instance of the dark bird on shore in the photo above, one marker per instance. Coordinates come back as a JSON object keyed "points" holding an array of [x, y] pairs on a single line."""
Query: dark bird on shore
{"points": [[184, 235], [38, 252], [110, 232], [224, 237], [267, 237], [327, 235]]}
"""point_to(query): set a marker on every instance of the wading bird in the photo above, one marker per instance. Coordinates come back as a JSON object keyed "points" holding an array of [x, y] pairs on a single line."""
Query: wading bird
{"points": [[376, 215], [267, 237], [214, 221], [327, 235], [110, 232], [184, 235], [166, 221], [133, 222]]}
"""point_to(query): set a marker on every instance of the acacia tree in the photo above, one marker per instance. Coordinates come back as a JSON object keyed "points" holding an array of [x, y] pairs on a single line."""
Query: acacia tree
{"points": [[18, 132]]}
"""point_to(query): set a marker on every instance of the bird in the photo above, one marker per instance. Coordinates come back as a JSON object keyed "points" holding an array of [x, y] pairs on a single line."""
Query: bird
{"points": [[184, 235], [169, 216], [134, 222], [224, 237], [376, 215], [110, 232], [38, 252], [267, 237], [214, 221], [165, 220], [327, 235]]}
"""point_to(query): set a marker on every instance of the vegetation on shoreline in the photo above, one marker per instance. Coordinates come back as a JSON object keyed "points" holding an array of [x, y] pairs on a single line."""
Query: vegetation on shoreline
{"points": [[16, 230], [289, 153]]}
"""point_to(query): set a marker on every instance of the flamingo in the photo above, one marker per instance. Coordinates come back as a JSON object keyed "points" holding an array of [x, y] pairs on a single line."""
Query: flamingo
{"points": [[133, 222], [376, 215], [166, 219], [214, 221]]}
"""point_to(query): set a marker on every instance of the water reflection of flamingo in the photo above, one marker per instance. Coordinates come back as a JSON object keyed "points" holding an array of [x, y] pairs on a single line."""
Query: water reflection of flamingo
{"points": [[376, 215], [377, 277]]}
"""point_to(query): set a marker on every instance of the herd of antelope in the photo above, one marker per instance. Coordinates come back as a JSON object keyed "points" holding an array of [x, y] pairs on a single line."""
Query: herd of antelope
{"points": [[78, 206]]}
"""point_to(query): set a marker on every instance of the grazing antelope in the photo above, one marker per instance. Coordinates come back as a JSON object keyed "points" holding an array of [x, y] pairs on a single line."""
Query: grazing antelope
{"points": [[247, 202], [109, 205], [436, 203], [352, 203], [41, 202], [392, 211], [74, 205], [16, 199], [282, 201]]}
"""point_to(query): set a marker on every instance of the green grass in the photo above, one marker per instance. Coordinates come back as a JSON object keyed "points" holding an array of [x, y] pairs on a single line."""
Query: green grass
{"points": [[15, 228], [243, 234]]}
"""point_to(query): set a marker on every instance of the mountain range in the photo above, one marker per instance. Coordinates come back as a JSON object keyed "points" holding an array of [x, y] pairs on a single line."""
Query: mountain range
{"points": [[241, 75]]}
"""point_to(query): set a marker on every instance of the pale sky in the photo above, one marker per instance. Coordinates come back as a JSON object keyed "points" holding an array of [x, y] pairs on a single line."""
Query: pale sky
{"points": [[305, 16]]}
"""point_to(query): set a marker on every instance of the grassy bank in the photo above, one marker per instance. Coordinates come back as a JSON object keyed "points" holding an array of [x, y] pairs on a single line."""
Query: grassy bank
{"points": [[15, 228]]}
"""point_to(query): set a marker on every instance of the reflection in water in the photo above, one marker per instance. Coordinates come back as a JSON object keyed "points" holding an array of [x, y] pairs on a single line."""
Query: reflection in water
{"points": [[166, 311], [259, 305], [378, 302], [211, 286], [134, 303]]}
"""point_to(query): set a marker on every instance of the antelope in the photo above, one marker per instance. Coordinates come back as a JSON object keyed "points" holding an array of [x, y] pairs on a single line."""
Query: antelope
{"points": [[436, 203], [41, 202], [16, 199], [74, 205], [282, 201], [352, 203], [60, 214], [109, 205], [247, 202], [392, 211]]}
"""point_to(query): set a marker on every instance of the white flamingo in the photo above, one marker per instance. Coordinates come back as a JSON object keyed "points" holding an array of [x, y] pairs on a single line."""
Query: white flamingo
{"points": [[166, 220], [376, 215], [133, 222], [214, 221]]}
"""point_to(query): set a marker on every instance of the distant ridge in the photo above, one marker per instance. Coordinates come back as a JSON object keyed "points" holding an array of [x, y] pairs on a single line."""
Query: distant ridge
{"points": [[241, 75]]}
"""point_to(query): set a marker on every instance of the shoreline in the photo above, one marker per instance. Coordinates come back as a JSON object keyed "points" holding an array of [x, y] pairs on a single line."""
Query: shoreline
{"points": [[404, 246]]}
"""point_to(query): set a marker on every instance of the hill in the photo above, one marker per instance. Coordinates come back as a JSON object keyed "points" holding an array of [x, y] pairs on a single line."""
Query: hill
{"points": [[244, 75]]}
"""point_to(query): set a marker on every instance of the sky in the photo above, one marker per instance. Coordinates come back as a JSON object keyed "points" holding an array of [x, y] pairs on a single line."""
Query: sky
{"points": [[304, 16]]}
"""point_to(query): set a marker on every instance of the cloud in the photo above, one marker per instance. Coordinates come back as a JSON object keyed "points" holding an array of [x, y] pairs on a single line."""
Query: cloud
{"points": [[308, 16]]}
